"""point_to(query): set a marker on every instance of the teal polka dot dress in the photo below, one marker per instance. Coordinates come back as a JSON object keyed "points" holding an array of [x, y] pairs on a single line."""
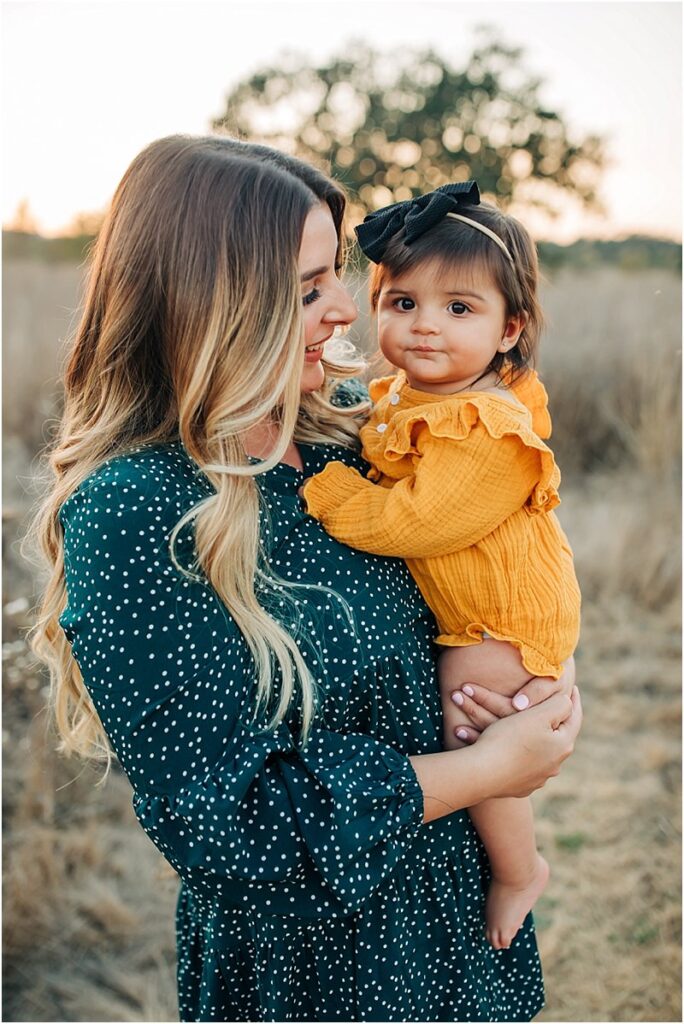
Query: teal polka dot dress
{"points": [[310, 889]]}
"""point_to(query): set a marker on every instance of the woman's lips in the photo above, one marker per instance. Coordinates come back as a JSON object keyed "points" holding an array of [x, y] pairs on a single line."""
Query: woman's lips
{"points": [[312, 353]]}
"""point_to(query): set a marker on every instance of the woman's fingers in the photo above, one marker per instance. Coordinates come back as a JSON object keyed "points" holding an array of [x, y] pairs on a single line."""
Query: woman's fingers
{"points": [[534, 692], [571, 723], [467, 734], [478, 714], [541, 687], [487, 700]]}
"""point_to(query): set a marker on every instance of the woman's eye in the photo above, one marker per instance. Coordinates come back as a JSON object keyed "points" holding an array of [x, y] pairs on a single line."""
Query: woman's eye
{"points": [[311, 296], [458, 307]]}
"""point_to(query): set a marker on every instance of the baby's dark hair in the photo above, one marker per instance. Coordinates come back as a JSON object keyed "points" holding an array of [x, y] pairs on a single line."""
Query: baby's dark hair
{"points": [[450, 244]]}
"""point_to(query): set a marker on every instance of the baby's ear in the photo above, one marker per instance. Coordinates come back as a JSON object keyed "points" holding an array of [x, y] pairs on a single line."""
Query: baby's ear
{"points": [[512, 331]]}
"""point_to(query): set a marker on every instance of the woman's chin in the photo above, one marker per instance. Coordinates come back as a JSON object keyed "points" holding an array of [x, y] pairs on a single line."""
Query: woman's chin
{"points": [[313, 377]]}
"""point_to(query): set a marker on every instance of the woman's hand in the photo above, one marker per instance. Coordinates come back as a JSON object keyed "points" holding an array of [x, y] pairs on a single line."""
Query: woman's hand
{"points": [[484, 707], [531, 748], [517, 755]]}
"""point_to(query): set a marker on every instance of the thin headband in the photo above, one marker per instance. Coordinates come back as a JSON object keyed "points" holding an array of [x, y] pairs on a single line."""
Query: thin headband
{"points": [[485, 231]]}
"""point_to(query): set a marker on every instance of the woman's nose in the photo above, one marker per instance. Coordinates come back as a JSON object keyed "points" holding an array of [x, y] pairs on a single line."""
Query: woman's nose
{"points": [[342, 309]]}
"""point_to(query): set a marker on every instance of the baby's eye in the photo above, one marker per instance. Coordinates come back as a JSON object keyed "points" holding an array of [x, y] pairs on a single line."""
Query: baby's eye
{"points": [[404, 304], [311, 296], [459, 308]]}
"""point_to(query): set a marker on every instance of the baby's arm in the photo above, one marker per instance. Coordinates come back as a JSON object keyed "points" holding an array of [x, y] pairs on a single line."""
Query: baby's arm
{"points": [[452, 501]]}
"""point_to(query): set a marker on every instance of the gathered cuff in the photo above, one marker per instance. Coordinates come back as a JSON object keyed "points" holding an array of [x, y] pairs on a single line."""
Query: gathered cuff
{"points": [[536, 661], [310, 831], [327, 490]]}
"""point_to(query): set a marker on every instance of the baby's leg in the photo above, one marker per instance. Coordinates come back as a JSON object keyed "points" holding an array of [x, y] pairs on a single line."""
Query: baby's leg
{"points": [[506, 826]]}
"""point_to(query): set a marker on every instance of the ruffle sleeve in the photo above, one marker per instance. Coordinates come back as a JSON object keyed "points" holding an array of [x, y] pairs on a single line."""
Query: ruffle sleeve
{"points": [[238, 811], [380, 387]]}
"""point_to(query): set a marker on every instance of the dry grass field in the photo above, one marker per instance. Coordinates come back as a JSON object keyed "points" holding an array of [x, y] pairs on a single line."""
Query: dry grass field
{"points": [[88, 902]]}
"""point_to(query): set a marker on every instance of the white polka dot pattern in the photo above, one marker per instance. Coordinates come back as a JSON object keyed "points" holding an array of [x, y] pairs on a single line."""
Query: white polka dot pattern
{"points": [[310, 889]]}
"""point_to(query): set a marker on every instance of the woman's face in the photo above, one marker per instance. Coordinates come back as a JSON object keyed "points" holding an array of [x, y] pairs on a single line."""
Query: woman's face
{"points": [[327, 303]]}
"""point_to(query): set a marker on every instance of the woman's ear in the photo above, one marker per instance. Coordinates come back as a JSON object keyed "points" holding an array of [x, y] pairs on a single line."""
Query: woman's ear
{"points": [[512, 331]]}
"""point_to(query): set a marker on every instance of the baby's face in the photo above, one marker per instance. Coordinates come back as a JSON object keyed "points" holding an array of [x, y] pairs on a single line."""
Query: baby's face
{"points": [[443, 329]]}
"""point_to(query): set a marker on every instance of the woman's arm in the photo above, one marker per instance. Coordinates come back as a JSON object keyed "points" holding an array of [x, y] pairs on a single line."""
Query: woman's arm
{"points": [[236, 808]]}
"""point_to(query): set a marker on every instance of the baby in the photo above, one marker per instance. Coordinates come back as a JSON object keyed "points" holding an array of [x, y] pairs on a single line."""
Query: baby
{"points": [[462, 485]]}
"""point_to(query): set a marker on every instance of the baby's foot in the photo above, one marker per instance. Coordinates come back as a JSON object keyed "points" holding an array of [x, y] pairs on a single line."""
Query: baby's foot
{"points": [[508, 905]]}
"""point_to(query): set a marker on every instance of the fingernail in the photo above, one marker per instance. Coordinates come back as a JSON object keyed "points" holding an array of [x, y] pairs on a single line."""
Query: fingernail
{"points": [[462, 734], [520, 701], [469, 690], [457, 698]]}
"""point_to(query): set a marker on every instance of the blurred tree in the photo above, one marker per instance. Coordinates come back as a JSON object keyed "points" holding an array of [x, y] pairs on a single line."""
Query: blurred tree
{"points": [[86, 224], [23, 219], [392, 127]]}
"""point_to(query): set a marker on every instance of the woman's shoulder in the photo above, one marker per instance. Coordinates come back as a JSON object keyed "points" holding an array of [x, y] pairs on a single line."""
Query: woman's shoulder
{"points": [[156, 480]]}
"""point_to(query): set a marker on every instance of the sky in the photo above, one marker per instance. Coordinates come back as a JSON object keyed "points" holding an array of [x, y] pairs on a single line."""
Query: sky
{"points": [[86, 85]]}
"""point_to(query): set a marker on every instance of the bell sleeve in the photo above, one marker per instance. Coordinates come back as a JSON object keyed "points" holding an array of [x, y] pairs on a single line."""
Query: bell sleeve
{"points": [[240, 812]]}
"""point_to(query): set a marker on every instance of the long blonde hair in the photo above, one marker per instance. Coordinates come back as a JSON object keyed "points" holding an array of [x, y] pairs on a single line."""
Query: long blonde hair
{"points": [[192, 330]]}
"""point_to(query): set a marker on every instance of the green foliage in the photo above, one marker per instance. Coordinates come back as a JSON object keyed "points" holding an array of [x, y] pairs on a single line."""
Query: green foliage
{"points": [[22, 245], [571, 841], [394, 127], [637, 252]]}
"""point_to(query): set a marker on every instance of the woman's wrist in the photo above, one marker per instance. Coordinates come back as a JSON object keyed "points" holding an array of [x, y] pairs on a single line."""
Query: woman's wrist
{"points": [[452, 780]]}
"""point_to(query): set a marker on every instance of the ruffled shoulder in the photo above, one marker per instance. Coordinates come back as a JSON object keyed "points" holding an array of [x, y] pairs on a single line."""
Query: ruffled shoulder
{"points": [[529, 390], [457, 418], [380, 387]]}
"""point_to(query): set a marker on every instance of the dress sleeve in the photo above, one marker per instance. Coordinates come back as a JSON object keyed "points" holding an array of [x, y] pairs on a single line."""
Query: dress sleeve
{"points": [[462, 489], [237, 810]]}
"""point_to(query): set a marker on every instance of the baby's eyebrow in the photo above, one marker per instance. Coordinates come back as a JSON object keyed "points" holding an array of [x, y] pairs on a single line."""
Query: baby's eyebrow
{"points": [[407, 291]]}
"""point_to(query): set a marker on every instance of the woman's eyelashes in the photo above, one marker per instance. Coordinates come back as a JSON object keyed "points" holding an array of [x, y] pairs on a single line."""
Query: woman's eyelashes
{"points": [[315, 292], [311, 296]]}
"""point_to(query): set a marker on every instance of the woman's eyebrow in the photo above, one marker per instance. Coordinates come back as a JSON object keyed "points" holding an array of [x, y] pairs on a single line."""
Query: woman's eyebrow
{"points": [[308, 274]]}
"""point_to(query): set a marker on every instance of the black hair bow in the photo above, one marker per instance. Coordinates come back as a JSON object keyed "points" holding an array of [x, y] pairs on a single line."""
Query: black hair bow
{"points": [[416, 216]]}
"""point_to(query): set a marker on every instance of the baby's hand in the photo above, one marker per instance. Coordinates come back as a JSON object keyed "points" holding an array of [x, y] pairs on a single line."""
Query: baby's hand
{"points": [[300, 490]]}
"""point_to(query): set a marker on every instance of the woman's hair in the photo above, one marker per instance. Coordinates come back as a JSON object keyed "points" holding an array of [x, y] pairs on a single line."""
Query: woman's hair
{"points": [[451, 245], [192, 330]]}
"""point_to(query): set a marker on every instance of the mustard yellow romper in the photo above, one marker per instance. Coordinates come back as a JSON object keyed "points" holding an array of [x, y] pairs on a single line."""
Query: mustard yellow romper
{"points": [[463, 487]]}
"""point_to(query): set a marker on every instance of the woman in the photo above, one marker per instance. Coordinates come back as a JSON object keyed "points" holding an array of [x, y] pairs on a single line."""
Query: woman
{"points": [[270, 693]]}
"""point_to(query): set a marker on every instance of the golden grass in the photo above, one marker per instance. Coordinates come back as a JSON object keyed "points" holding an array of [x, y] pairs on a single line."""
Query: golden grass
{"points": [[88, 900]]}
